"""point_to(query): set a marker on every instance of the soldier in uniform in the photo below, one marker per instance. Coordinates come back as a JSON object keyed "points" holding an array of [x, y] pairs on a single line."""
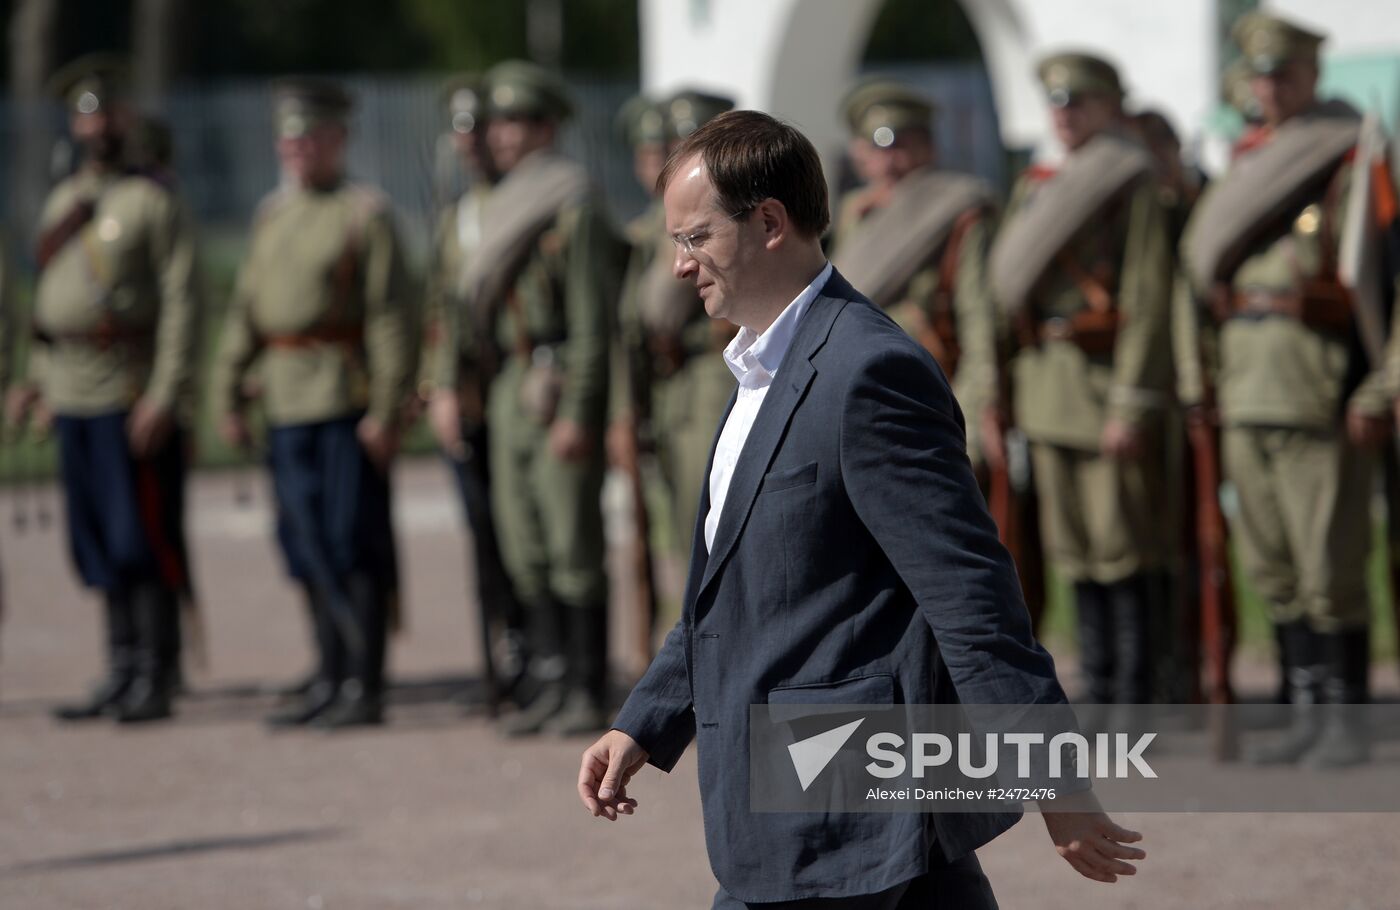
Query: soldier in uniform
{"points": [[322, 302], [539, 294], [1082, 269], [674, 386], [115, 324], [457, 383], [915, 239], [1280, 360]]}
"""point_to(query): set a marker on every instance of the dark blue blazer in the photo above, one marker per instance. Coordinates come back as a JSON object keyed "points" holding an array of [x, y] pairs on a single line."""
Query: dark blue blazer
{"points": [[855, 553]]}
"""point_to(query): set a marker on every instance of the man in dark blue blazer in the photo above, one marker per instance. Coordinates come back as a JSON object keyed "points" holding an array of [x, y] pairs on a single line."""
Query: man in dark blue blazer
{"points": [[842, 547]]}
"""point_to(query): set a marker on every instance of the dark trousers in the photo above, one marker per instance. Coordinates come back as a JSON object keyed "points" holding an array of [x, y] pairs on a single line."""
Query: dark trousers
{"points": [[334, 527], [956, 885], [126, 534], [125, 515]]}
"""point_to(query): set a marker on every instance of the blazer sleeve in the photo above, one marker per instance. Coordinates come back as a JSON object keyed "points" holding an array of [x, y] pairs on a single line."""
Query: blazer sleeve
{"points": [[905, 468], [659, 713]]}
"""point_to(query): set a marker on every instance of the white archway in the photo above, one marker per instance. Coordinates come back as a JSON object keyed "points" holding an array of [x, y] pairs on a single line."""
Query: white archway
{"points": [[795, 58]]}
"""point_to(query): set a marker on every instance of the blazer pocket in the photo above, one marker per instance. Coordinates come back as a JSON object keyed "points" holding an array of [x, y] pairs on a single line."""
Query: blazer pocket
{"points": [[788, 478], [787, 703]]}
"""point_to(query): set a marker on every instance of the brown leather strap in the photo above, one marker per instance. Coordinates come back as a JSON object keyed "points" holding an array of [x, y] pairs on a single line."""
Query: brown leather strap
{"points": [[106, 334], [1093, 287], [940, 338], [524, 344], [1324, 305], [345, 335], [56, 238]]}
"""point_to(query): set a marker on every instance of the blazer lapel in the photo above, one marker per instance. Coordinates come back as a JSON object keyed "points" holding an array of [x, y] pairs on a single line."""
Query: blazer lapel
{"points": [[794, 376]]}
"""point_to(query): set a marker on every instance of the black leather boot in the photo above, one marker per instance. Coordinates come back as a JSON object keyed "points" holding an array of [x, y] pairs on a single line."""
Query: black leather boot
{"points": [[324, 689], [121, 663], [1303, 657], [150, 695], [545, 675], [298, 688], [1344, 740], [1132, 646], [361, 698], [1096, 641], [1283, 694], [585, 708]]}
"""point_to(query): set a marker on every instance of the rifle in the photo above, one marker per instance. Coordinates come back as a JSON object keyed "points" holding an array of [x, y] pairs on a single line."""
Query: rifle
{"points": [[639, 554], [1368, 263], [1218, 619]]}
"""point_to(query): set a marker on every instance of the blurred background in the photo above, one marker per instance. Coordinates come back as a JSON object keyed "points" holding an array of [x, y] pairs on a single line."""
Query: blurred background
{"points": [[213, 810]]}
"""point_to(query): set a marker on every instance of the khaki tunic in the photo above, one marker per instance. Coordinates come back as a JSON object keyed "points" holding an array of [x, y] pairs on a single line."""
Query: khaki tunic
{"points": [[1100, 517], [323, 302], [1303, 527], [548, 511], [973, 312], [117, 308], [452, 354]]}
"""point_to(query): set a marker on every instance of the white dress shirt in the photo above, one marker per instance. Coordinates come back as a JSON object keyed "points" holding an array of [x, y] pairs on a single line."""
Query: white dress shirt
{"points": [[754, 359]]}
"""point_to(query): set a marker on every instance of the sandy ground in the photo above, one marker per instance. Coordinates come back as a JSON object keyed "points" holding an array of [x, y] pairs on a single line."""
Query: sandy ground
{"points": [[434, 810]]}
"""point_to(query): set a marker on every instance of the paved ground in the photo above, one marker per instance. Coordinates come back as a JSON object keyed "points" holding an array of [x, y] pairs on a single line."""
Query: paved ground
{"points": [[434, 811]]}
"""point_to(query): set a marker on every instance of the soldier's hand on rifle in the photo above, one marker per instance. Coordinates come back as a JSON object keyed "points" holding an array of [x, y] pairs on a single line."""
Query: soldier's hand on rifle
{"points": [[1120, 440], [621, 444], [380, 442], [1089, 840], [603, 774], [1369, 431], [233, 430], [445, 418], [148, 427], [568, 440]]}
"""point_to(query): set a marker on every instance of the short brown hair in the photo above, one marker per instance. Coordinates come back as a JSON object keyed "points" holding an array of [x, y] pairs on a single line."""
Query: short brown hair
{"points": [[752, 157]]}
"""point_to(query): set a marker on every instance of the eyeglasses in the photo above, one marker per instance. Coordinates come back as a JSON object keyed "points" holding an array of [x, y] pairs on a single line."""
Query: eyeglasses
{"points": [[693, 241]]}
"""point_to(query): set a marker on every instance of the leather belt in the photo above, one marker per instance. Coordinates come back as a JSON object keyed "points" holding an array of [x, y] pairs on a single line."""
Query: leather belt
{"points": [[348, 335], [1091, 331], [1324, 306]]}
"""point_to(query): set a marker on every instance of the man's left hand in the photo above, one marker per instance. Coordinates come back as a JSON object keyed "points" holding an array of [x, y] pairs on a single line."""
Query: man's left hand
{"points": [[569, 440], [1121, 440], [1090, 841], [148, 427], [380, 442], [1368, 431]]}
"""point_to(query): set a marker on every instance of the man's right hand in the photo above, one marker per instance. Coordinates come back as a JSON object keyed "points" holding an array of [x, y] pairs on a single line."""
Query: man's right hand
{"points": [[606, 768], [445, 417], [233, 430], [22, 400], [1087, 839]]}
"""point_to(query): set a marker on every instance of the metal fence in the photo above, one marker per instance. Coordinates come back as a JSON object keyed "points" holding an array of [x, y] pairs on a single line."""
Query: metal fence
{"points": [[223, 139]]}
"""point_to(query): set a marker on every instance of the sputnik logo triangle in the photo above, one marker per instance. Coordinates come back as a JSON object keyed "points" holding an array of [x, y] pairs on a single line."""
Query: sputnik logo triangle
{"points": [[811, 755]]}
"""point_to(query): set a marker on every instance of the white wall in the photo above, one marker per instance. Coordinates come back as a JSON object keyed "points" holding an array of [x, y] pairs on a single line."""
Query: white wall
{"points": [[1353, 26], [795, 58], [1165, 52], [792, 58]]}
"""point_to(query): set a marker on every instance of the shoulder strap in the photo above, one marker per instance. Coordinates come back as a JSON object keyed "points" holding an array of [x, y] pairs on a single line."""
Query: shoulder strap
{"points": [[1091, 179]]}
